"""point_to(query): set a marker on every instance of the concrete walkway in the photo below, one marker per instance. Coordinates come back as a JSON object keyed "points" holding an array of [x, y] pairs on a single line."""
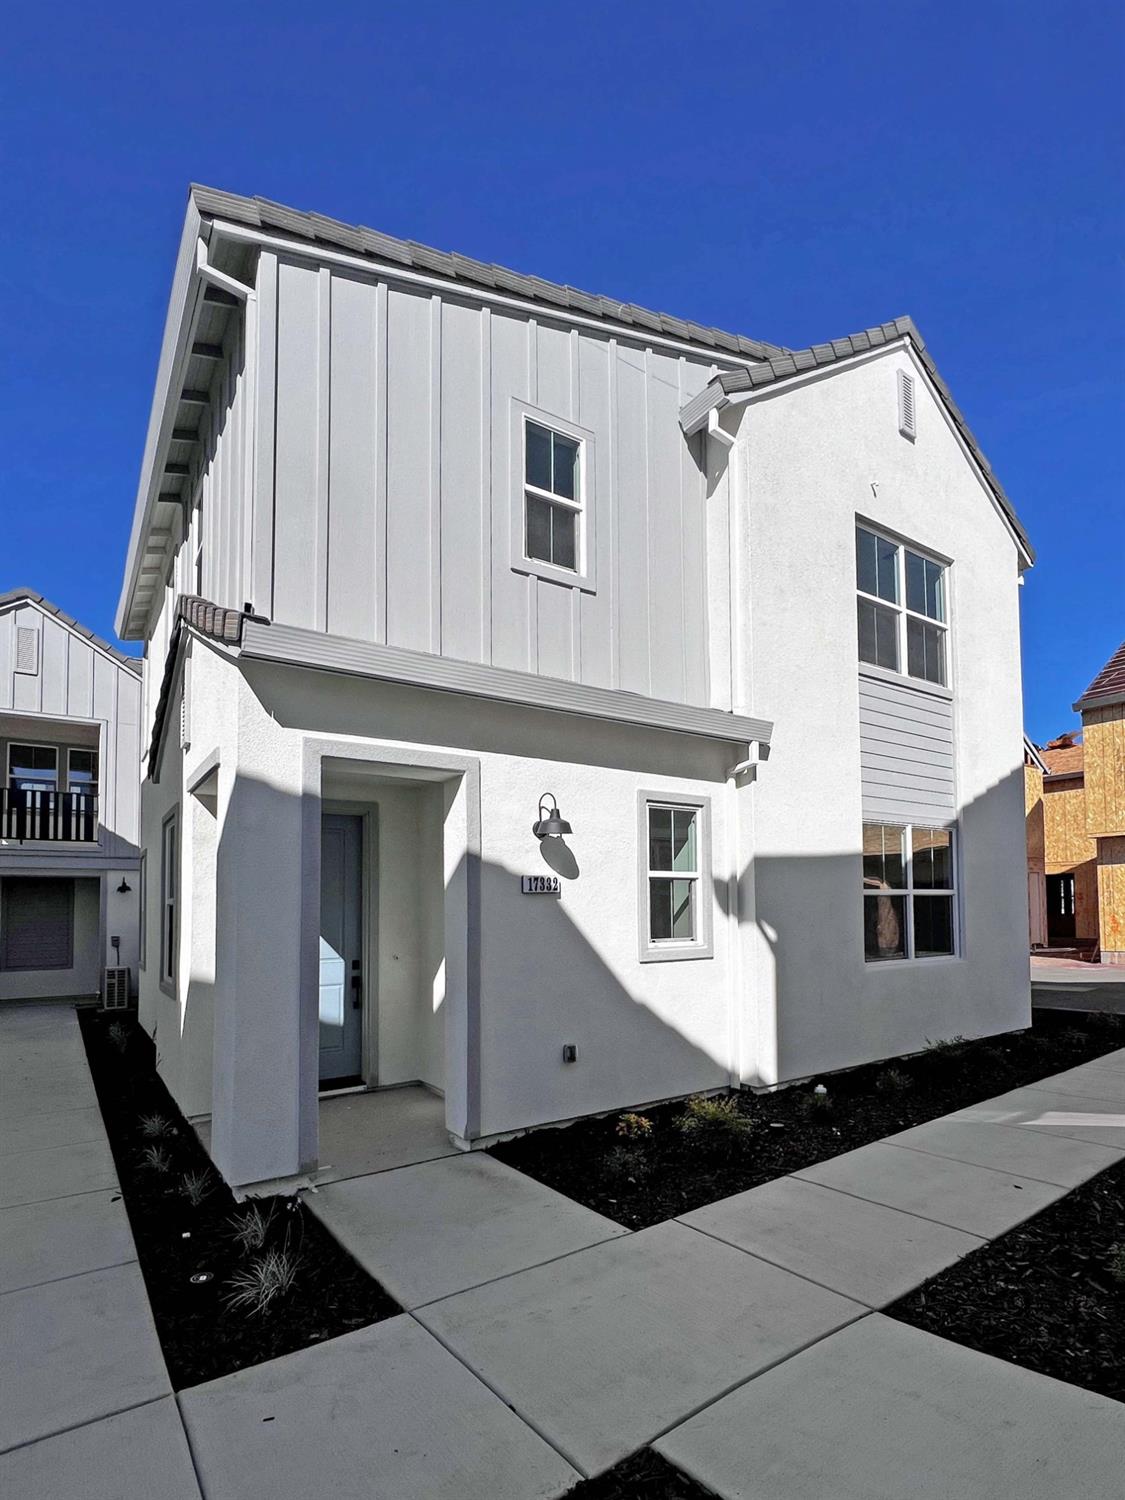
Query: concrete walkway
{"points": [[87, 1409], [1072, 984], [543, 1342]]}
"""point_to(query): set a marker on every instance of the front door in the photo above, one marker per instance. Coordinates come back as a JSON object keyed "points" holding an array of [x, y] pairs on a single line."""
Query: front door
{"points": [[1060, 911], [341, 949]]}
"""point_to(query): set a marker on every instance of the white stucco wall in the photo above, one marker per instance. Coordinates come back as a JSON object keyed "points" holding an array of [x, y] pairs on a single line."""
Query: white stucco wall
{"points": [[808, 463]]}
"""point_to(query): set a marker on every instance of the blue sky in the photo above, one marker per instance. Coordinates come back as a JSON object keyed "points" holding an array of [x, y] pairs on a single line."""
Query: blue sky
{"points": [[793, 172]]}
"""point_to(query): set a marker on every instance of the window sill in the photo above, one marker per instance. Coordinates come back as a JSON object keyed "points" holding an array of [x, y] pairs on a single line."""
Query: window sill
{"points": [[672, 953], [900, 679], [551, 574], [939, 960]]}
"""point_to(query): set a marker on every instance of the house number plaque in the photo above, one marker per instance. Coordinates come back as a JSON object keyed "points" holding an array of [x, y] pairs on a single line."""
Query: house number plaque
{"points": [[540, 885]]}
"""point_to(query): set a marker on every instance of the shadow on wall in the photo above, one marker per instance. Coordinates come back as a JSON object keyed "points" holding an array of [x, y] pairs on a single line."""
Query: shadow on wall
{"points": [[550, 977], [834, 1009]]}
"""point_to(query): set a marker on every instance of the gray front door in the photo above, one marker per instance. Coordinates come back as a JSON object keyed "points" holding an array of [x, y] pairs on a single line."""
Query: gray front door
{"points": [[341, 948]]}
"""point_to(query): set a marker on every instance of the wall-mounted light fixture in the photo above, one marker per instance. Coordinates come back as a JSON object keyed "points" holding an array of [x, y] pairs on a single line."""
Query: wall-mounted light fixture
{"points": [[124, 888], [550, 823]]}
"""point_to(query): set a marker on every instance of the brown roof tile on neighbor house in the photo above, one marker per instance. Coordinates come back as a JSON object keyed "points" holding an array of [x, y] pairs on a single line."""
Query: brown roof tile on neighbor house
{"points": [[1064, 760], [1109, 685]]}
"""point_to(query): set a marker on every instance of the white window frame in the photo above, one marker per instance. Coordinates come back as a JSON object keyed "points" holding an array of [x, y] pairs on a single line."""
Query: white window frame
{"points": [[663, 950], [95, 785], [584, 575], [902, 612], [909, 891], [169, 899]]}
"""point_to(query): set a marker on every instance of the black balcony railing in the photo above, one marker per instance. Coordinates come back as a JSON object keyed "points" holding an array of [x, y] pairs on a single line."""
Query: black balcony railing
{"points": [[55, 817]]}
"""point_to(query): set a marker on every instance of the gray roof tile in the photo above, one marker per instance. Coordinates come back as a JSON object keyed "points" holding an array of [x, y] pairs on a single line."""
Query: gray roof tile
{"points": [[262, 213]]}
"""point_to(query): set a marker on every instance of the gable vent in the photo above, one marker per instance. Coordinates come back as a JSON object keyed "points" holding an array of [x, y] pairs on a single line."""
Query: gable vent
{"points": [[27, 649], [906, 404]]}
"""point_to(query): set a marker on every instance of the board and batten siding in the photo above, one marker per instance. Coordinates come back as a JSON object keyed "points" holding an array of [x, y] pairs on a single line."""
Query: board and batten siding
{"points": [[390, 455], [906, 753], [76, 680]]}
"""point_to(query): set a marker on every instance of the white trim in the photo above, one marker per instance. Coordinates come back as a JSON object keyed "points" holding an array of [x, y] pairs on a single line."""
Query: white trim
{"points": [[384, 270], [902, 610], [584, 576], [824, 372], [909, 891], [702, 945]]}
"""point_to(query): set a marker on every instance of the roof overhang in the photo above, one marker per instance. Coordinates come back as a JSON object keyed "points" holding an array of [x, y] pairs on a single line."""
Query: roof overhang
{"points": [[191, 353], [784, 372], [252, 638]]}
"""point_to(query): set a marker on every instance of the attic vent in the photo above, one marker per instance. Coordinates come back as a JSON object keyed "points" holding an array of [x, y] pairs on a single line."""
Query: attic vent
{"points": [[27, 649], [906, 404]]}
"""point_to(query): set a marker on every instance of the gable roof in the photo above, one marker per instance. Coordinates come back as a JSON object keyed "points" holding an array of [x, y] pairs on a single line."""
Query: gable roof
{"points": [[261, 213], [1064, 760], [1108, 686], [29, 596], [793, 362]]}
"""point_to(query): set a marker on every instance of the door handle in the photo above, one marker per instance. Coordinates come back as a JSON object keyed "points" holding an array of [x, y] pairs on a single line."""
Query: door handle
{"points": [[357, 991]]}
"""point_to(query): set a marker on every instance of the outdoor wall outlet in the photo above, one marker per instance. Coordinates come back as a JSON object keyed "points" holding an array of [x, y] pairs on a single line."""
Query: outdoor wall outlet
{"points": [[570, 1052]]}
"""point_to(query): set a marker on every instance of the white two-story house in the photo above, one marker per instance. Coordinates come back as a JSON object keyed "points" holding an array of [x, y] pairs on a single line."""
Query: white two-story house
{"points": [[70, 749], [557, 704]]}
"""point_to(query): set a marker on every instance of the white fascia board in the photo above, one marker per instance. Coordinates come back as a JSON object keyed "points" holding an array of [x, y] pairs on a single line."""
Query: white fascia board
{"points": [[186, 290], [696, 414], [379, 270], [294, 646]]}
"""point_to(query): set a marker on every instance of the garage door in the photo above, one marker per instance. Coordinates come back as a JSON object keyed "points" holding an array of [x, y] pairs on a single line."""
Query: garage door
{"points": [[36, 924]]}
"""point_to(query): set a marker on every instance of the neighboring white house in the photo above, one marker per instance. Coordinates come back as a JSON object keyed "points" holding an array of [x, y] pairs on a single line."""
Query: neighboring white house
{"points": [[70, 751], [424, 550]]}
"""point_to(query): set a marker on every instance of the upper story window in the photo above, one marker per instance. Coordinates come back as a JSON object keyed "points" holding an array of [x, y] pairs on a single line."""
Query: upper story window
{"points": [[552, 505], [33, 768], [552, 497], [42, 768], [903, 620]]}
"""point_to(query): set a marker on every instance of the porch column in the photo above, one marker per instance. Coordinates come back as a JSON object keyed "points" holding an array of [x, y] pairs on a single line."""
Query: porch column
{"points": [[263, 1124]]}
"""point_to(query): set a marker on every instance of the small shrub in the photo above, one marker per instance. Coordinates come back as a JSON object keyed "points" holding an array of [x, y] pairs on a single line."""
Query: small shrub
{"points": [[818, 1104], [1117, 1261], [634, 1127], [118, 1034], [715, 1121], [267, 1278], [947, 1047], [195, 1186], [1072, 1037], [893, 1081], [629, 1162], [156, 1127], [250, 1228], [156, 1158]]}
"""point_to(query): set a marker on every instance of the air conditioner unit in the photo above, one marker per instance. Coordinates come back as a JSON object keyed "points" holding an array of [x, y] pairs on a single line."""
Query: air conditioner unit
{"points": [[115, 991]]}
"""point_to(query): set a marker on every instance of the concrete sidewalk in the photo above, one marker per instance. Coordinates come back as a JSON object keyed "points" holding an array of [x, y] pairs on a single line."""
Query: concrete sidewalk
{"points": [[88, 1411], [543, 1342]]}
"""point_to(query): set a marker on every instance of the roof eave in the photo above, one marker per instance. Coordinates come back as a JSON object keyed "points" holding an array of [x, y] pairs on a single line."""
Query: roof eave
{"points": [[177, 326], [778, 373]]}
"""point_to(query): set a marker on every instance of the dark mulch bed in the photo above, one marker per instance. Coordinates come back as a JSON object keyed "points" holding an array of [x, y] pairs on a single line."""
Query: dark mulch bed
{"points": [[642, 1476], [1043, 1295], [201, 1336], [669, 1171]]}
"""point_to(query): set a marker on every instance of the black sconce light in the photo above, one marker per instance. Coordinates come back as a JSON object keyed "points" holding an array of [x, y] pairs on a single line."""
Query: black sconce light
{"points": [[550, 823], [124, 888]]}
